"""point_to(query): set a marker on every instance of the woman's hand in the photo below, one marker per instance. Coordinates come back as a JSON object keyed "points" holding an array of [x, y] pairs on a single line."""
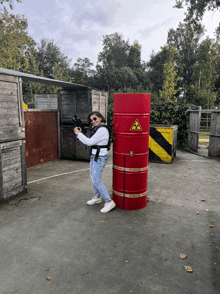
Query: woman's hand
{"points": [[77, 130]]}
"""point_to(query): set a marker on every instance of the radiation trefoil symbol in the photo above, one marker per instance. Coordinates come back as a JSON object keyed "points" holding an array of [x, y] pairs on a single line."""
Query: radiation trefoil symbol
{"points": [[136, 126]]}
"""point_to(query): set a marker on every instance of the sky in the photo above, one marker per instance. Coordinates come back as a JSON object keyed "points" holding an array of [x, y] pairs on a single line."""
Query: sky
{"points": [[78, 26]]}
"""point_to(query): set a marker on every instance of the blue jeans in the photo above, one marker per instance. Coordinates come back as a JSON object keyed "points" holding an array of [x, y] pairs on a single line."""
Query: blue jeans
{"points": [[96, 169]]}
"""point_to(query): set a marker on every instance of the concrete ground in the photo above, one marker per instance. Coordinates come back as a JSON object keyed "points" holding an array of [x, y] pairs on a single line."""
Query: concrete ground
{"points": [[120, 252]]}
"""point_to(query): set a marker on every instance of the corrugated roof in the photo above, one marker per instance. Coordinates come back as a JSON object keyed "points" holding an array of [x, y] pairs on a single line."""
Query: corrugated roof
{"points": [[42, 80]]}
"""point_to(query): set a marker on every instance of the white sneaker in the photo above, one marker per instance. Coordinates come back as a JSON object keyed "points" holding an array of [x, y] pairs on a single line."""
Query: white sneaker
{"points": [[108, 206], [94, 200]]}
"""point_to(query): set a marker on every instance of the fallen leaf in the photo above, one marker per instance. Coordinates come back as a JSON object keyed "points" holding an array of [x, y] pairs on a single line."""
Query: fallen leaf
{"points": [[183, 256], [206, 210], [49, 278], [49, 269], [210, 226], [188, 269]]}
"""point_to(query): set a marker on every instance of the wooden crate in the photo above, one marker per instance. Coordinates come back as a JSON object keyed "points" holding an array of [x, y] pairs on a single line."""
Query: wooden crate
{"points": [[13, 176], [11, 109]]}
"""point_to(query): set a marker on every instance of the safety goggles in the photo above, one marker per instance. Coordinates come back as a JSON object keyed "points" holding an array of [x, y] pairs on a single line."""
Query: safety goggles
{"points": [[94, 119]]}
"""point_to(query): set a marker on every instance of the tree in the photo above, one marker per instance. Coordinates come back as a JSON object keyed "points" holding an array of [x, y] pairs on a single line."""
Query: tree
{"points": [[10, 2], [118, 64], [127, 78], [169, 89], [206, 74], [16, 46], [82, 72], [186, 41], [134, 56], [115, 51], [197, 8], [52, 62], [155, 68]]}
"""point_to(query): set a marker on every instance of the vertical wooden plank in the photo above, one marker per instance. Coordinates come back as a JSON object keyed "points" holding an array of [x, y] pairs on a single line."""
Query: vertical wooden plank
{"points": [[1, 177], [90, 98], [106, 104], [23, 165], [194, 128], [58, 134], [20, 105], [214, 141]]}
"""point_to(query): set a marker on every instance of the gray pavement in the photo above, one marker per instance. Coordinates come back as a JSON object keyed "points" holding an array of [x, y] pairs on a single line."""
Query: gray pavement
{"points": [[120, 252]]}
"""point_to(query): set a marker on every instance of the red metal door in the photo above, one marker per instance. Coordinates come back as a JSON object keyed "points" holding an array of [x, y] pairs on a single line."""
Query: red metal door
{"points": [[41, 134], [131, 120]]}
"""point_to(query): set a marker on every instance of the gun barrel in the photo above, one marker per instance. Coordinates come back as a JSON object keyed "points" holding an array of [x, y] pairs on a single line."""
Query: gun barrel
{"points": [[78, 123]]}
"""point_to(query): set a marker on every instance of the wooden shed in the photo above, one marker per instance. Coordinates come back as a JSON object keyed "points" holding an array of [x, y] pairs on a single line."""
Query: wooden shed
{"points": [[73, 99]]}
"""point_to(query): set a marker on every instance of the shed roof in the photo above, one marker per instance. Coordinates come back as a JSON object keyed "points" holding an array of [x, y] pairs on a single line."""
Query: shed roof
{"points": [[37, 79]]}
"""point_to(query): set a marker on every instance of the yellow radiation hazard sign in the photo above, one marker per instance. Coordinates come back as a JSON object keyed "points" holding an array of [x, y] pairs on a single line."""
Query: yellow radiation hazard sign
{"points": [[136, 126]]}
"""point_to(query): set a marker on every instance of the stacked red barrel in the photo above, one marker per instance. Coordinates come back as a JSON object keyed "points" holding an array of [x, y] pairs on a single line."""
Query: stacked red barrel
{"points": [[131, 120]]}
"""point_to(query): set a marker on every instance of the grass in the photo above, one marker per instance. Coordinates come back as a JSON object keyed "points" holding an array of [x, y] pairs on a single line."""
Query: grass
{"points": [[204, 139]]}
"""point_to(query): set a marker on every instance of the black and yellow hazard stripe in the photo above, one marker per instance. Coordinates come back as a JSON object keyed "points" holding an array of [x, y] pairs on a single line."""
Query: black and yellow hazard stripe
{"points": [[160, 144]]}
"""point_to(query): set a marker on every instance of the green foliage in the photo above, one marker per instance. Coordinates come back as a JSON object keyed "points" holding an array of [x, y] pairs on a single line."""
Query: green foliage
{"points": [[82, 72], [119, 64], [205, 75], [16, 46], [155, 66], [169, 89], [52, 62], [10, 3], [197, 8], [186, 41], [115, 51], [134, 56]]}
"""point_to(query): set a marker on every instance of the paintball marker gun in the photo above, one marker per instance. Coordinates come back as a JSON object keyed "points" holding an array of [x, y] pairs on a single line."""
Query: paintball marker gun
{"points": [[78, 123]]}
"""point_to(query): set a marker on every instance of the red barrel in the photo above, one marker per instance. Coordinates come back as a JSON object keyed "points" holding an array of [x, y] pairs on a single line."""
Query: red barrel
{"points": [[131, 120]]}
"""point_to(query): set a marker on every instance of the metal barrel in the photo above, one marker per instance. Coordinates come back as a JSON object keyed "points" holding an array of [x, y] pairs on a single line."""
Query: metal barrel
{"points": [[131, 120]]}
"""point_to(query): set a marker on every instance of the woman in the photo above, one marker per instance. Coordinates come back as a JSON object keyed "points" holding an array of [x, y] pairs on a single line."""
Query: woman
{"points": [[99, 143]]}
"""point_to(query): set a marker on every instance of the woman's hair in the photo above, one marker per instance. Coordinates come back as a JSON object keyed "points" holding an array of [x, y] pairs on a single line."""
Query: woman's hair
{"points": [[97, 113]]}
